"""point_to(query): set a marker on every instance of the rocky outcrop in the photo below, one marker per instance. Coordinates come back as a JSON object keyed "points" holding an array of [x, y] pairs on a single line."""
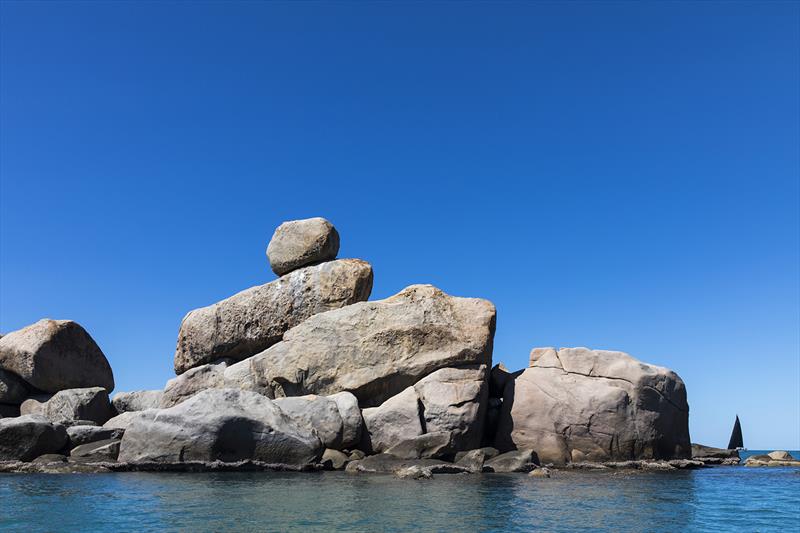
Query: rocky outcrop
{"points": [[373, 349], [450, 400], [26, 437], [137, 400], [220, 424], [322, 415], [299, 243], [577, 404], [13, 390], [68, 406], [256, 318], [183, 387], [715, 456], [53, 355], [776, 458]]}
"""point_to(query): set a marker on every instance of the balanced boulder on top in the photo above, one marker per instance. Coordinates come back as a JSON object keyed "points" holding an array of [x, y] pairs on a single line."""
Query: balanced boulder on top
{"points": [[576, 404], [53, 355], [373, 349], [255, 319], [299, 243]]}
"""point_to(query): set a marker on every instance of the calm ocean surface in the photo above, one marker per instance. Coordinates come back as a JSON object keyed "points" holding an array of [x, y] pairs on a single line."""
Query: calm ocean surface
{"points": [[713, 499]]}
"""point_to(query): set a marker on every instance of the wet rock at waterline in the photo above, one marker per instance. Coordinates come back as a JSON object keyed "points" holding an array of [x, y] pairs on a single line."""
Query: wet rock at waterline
{"points": [[256, 318]]}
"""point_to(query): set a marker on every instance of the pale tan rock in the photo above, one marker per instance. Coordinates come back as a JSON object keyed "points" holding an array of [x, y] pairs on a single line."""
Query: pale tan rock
{"points": [[298, 243], [194, 380], [577, 404], [373, 349], [255, 319]]}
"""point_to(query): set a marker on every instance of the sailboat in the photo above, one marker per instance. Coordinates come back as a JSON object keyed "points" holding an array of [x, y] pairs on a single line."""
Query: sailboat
{"points": [[736, 442]]}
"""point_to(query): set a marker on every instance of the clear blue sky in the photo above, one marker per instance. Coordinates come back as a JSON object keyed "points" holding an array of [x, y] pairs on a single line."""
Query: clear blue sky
{"points": [[611, 175]]}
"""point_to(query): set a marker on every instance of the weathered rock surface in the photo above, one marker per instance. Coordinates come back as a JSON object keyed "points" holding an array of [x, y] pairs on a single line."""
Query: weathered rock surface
{"points": [[53, 355], [428, 446], [776, 458], [577, 404], [322, 415], [450, 400], [183, 387], [373, 349], [298, 243], [100, 451], [220, 424], [70, 405], [334, 459], [137, 400], [353, 423], [513, 461], [473, 460], [79, 435], [123, 420], [26, 437], [255, 319], [12, 389], [384, 463]]}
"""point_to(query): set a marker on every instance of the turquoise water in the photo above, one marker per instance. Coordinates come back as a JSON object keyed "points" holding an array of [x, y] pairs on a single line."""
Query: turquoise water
{"points": [[714, 499]]}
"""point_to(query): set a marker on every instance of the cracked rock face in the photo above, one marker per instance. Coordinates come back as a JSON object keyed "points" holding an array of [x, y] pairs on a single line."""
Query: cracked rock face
{"points": [[577, 404], [373, 349], [256, 318]]}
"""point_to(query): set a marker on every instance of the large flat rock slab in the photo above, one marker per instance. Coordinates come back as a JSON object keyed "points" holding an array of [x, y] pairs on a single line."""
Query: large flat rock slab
{"points": [[255, 319]]}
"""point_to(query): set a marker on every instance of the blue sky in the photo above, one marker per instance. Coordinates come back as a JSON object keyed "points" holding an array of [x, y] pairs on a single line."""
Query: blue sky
{"points": [[612, 175]]}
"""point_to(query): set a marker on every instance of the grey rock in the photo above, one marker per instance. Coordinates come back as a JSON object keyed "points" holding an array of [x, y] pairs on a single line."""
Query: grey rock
{"points": [[13, 389], [318, 414], [50, 458], [487, 451], [356, 455], [220, 425], [394, 420], [255, 319], [414, 472], [700, 451], [298, 243], [540, 473], [79, 435], [183, 387], [53, 355], [334, 459], [124, 420], [472, 460], [513, 461], [438, 445], [24, 438], [373, 349], [384, 463], [137, 400], [71, 405], [780, 455], [99, 451], [353, 423], [769, 460], [576, 405]]}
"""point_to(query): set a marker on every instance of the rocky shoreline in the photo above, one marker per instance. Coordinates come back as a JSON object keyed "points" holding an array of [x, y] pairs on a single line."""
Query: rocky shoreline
{"points": [[304, 373]]}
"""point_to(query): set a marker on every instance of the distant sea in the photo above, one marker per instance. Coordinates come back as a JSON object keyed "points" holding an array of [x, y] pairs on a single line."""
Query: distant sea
{"points": [[711, 499]]}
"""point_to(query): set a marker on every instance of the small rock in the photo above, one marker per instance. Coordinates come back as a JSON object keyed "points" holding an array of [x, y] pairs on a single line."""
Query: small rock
{"points": [[100, 451], [413, 472], [428, 446], [137, 400], [357, 455], [780, 455], [472, 460], [298, 243], [334, 459], [540, 472], [514, 461]]}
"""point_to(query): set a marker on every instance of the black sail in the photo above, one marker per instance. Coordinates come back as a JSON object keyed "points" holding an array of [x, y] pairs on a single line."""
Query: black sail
{"points": [[736, 436]]}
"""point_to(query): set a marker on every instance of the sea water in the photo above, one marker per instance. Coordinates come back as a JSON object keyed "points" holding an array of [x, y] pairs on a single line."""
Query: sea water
{"points": [[709, 499]]}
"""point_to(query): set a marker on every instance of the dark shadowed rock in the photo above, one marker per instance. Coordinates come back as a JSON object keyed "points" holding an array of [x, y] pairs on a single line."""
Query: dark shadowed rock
{"points": [[137, 400], [7, 411], [70, 405], [298, 243], [12, 389], [26, 437], [256, 318], [53, 355], [98, 451], [79, 435], [577, 404], [514, 461], [220, 424], [373, 349]]}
